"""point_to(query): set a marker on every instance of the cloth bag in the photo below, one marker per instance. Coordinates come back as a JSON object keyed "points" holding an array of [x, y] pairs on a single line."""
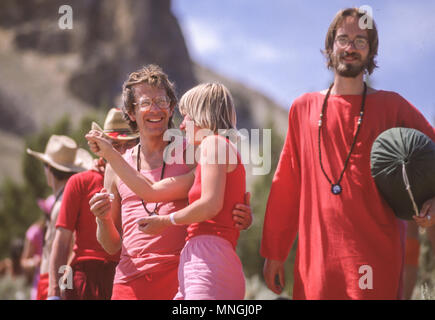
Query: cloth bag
{"points": [[403, 167]]}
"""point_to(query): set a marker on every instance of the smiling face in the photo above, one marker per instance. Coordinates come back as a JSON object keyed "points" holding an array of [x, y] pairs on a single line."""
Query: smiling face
{"points": [[347, 20], [348, 60], [151, 120]]}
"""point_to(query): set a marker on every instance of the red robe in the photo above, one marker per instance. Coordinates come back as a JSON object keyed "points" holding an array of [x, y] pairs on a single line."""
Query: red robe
{"points": [[338, 235]]}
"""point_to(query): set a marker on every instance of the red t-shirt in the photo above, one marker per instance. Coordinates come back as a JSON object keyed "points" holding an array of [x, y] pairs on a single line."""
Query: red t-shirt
{"points": [[338, 235], [75, 215], [222, 224]]}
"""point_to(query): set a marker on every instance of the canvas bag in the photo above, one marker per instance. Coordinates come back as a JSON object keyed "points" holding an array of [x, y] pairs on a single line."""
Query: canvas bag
{"points": [[398, 155]]}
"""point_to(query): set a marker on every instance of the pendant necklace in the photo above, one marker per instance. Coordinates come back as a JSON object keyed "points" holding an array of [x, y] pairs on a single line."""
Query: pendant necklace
{"points": [[138, 165], [336, 188]]}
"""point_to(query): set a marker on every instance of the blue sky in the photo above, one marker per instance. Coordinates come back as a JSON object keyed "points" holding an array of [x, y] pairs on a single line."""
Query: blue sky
{"points": [[274, 46]]}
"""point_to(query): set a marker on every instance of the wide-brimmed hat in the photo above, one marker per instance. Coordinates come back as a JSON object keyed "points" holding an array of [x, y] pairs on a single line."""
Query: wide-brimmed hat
{"points": [[403, 167], [63, 154], [115, 127]]}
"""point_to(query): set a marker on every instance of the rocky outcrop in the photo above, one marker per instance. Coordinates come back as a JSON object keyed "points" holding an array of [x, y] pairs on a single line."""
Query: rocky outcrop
{"points": [[47, 71], [112, 38]]}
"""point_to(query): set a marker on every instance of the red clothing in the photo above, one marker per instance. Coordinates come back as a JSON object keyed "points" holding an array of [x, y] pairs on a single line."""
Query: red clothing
{"points": [[92, 280], [222, 224], [75, 215], [42, 292], [337, 234], [158, 285], [412, 251]]}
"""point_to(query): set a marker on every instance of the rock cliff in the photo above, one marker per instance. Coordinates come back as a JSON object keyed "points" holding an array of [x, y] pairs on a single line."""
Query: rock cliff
{"points": [[46, 71]]}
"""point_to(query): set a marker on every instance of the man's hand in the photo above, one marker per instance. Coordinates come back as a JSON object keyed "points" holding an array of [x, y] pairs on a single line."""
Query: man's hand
{"points": [[98, 144], [100, 204], [273, 273], [99, 165], [426, 218], [242, 213]]}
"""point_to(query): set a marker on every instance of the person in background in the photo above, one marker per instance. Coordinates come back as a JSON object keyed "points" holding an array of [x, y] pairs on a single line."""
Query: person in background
{"points": [[14, 283], [62, 158], [93, 268], [11, 266], [34, 240]]}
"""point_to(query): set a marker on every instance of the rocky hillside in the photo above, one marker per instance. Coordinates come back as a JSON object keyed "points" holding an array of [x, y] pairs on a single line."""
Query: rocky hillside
{"points": [[46, 72]]}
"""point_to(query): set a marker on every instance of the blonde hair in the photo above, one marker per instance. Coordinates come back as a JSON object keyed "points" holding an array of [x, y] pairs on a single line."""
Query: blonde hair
{"points": [[210, 106]]}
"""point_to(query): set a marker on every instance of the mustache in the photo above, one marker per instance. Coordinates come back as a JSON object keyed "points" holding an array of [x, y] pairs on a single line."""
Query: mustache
{"points": [[350, 55]]}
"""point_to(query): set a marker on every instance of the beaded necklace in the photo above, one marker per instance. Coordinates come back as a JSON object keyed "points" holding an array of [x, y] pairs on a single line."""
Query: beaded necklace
{"points": [[138, 165], [336, 188]]}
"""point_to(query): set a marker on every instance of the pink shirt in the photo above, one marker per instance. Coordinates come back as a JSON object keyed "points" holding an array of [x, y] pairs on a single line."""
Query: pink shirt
{"points": [[35, 235], [142, 253]]}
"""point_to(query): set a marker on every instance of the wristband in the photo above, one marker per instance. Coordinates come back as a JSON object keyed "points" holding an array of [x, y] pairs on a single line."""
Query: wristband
{"points": [[53, 298], [171, 217]]}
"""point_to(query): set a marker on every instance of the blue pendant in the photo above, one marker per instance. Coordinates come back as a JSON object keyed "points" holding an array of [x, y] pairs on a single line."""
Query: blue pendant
{"points": [[336, 189]]}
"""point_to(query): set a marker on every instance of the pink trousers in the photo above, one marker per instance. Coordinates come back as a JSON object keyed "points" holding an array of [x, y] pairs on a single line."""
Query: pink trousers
{"points": [[210, 270]]}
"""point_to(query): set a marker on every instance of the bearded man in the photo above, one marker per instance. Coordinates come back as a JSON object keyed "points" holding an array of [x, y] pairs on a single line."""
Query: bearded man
{"points": [[350, 244]]}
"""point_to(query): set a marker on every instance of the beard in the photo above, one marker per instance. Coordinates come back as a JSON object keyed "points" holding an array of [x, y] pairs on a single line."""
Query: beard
{"points": [[349, 70]]}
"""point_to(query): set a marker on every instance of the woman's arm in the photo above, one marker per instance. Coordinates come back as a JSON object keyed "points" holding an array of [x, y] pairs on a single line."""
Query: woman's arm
{"points": [[169, 189], [29, 261], [213, 181]]}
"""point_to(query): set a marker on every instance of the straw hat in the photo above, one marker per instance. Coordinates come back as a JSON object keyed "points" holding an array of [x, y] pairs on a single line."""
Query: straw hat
{"points": [[63, 154], [115, 127]]}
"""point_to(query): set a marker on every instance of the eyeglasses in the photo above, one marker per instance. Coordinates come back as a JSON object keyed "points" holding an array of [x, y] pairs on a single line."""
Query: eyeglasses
{"points": [[359, 43], [161, 102]]}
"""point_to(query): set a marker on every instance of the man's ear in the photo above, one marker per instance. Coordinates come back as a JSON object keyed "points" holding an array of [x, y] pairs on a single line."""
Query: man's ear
{"points": [[131, 116]]}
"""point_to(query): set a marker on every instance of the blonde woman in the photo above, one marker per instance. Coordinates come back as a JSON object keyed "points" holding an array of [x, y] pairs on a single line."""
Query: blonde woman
{"points": [[209, 266]]}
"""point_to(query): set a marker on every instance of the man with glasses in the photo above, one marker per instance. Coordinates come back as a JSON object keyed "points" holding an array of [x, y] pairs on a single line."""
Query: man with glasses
{"points": [[350, 244], [148, 266]]}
